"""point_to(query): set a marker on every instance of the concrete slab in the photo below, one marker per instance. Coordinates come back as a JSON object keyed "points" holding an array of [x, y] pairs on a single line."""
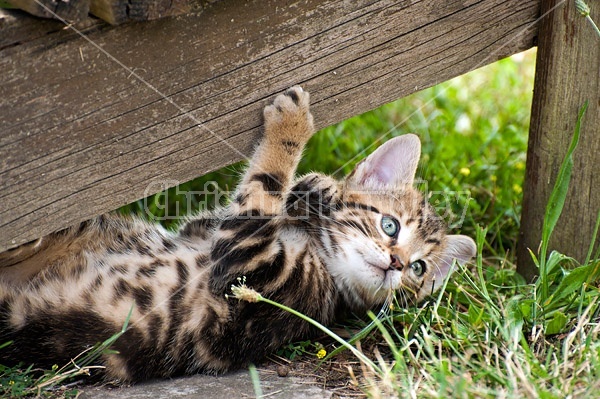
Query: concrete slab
{"points": [[228, 386]]}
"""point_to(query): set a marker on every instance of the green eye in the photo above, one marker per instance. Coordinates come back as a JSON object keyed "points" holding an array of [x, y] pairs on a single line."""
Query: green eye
{"points": [[418, 267], [390, 226]]}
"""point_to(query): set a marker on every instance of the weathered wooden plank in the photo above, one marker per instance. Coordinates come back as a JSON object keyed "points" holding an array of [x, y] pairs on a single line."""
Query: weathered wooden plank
{"points": [[18, 28], [120, 11], [81, 134], [68, 10], [112, 11], [567, 74]]}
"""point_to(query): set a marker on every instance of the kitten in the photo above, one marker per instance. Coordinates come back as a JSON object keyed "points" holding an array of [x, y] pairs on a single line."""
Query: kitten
{"points": [[315, 244]]}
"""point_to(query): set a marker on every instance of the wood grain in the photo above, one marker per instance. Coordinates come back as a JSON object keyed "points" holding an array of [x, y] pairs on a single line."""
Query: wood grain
{"points": [[119, 11], [567, 74], [112, 11], [17, 28], [89, 126], [68, 10]]}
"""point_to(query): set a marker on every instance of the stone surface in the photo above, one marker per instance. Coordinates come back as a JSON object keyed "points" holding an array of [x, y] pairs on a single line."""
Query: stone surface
{"points": [[232, 385]]}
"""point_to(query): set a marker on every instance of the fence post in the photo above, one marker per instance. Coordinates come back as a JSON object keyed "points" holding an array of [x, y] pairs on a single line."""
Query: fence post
{"points": [[567, 74]]}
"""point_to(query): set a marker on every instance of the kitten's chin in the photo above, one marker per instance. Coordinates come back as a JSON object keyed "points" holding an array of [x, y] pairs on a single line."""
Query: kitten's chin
{"points": [[364, 284], [378, 286], [391, 281]]}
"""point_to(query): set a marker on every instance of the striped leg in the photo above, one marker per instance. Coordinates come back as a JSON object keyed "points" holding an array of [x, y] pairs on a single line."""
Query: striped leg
{"points": [[246, 242], [288, 126]]}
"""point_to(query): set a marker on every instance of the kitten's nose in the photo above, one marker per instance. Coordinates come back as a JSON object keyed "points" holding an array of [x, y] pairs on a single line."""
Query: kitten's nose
{"points": [[396, 262]]}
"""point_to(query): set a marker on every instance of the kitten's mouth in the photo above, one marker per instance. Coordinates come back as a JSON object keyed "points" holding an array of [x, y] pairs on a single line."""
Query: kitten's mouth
{"points": [[384, 271], [389, 279], [379, 266]]}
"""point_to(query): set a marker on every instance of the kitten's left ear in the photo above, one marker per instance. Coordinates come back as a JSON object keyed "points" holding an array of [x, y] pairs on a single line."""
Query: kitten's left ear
{"points": [[459, 247], [392, 164]]}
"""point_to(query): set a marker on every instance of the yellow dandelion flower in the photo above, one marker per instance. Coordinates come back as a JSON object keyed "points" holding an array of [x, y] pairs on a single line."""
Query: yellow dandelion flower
{"points": [[520, 165], [494, 178], [517, 189], [321, 353], [465, 171]]}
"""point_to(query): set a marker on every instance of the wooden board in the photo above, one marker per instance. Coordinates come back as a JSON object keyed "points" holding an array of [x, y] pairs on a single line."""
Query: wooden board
{"points": [[119, 11], [86, 127], [17, 27], [67, 10], [112, 11], [567, 74]]}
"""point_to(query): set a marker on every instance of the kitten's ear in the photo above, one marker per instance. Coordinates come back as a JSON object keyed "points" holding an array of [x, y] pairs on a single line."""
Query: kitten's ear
{"points": [[459, 247], [392, 164]]}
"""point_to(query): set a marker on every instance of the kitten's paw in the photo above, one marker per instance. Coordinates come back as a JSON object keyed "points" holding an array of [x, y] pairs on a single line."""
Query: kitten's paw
{"points": [[289, 118], [315, 195]]}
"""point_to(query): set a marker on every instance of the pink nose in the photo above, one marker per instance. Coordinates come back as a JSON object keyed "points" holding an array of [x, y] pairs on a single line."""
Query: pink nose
{"points": [[396, 263]]}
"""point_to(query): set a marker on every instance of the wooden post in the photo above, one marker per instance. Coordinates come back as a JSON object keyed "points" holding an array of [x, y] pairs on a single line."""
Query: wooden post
{"points": [[567, 74]]}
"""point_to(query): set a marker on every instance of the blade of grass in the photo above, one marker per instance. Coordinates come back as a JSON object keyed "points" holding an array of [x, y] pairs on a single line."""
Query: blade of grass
{"points": [[82, 363], [472, 284], [100, 348], [480, 239], [556, 203], [244, 293], [356, 337], [593, 241], [258, 392], [385, 333]]}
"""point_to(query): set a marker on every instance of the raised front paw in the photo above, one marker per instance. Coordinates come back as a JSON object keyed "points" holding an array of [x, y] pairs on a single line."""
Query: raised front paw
{"points": [[288, 120], [313, 196]]}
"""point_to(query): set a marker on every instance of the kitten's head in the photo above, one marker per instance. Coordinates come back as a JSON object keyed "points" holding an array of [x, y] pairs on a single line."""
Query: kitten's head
{"points": [[389, 237]]}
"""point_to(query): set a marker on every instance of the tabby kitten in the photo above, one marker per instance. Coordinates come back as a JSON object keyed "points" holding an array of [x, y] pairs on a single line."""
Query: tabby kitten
{"points": [[321, 246]]}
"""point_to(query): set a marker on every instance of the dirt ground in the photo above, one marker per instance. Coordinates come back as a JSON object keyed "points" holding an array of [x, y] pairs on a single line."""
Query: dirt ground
{"points": [[279, 378]]}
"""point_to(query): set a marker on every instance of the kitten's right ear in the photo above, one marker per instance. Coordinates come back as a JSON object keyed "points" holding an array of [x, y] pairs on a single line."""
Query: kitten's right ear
{"points": [[392, 164], [459, 247]]}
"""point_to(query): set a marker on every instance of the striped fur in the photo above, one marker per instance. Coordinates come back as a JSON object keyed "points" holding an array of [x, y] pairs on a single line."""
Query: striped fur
{"points": [[313, 243]]}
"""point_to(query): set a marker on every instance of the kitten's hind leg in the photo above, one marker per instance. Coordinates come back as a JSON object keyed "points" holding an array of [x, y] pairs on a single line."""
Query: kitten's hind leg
{"points": [[288, 126]]}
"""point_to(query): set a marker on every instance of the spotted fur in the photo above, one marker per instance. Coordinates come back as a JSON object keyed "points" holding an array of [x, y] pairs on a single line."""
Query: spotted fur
{"points": [[313, 243]]}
